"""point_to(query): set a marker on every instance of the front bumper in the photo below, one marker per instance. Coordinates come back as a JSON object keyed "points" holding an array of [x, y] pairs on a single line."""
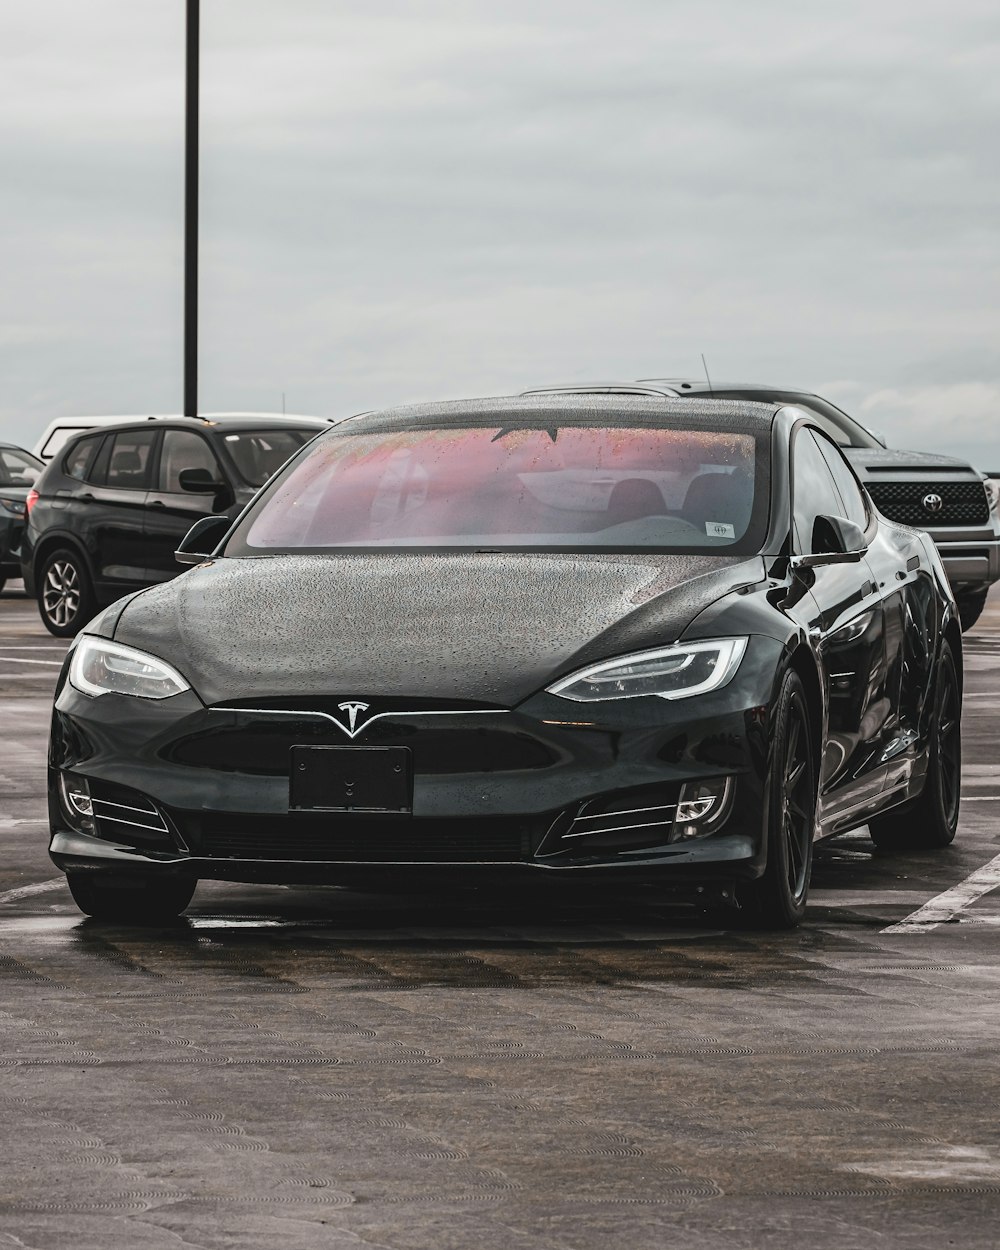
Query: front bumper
{"points": [[550, 786], [971, 559]]}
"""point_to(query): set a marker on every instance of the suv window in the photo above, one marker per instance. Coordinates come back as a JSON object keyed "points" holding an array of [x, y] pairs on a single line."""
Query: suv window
{"points": [[259, 454], [131, 454], [183, 449], [80, 457], [814, 492], [17, 469], [855, 507]]}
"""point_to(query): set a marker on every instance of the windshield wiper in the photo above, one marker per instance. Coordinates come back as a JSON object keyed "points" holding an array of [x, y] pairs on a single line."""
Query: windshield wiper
{"points": [[551, 431]]}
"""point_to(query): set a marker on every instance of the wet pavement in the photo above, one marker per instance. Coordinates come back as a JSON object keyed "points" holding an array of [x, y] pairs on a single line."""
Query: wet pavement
{"points": [[560, 1070]]}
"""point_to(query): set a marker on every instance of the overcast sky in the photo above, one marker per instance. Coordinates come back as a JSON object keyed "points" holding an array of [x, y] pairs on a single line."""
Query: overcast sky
{"points": [[419, 200]]}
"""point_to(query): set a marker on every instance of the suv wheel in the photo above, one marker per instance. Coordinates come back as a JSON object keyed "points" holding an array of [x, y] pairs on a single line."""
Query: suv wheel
{"points": [[970, 607], [65, 596]]}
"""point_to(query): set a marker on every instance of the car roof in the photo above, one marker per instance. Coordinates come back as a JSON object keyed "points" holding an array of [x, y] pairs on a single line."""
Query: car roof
{"points": [[207, 421], [618, 406], [667, 387]]}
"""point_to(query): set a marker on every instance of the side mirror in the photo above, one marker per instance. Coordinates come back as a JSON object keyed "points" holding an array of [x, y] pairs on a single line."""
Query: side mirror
{"points": [[835, 540], [199, 482], [202, 538]]}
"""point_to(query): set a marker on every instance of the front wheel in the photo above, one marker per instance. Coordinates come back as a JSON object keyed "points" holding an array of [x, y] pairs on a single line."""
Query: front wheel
{"points": [[65, 596], [931, 819], [778, 899], [130, 901]]}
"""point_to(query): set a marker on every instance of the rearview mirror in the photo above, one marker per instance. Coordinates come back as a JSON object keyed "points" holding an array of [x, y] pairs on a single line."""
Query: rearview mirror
{"points": [[835, 540], [202, 538]]}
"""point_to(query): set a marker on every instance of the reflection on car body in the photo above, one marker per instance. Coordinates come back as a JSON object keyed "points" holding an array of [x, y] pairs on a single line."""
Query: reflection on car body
{"points": [[436, 642]]}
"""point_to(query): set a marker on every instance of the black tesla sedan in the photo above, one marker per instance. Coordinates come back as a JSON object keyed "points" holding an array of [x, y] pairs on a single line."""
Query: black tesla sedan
{"points": [[597, 636]]}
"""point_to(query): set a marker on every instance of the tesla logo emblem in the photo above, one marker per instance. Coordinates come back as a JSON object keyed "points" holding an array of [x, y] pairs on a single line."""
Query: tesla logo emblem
{"points": [[352, 708], [932, 503]]}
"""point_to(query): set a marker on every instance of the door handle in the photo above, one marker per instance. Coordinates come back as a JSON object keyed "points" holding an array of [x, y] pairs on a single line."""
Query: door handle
{"points": [[156, 503]]}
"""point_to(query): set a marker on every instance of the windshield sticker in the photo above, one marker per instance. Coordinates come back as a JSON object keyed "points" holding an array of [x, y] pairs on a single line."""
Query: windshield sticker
{"points": [[719, 529]]}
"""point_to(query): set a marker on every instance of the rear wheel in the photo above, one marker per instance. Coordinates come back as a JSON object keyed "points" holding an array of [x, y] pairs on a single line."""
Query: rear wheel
{"points": [[65, 596], [970, 607], [931, 818], [778, 899], [132, 901]]}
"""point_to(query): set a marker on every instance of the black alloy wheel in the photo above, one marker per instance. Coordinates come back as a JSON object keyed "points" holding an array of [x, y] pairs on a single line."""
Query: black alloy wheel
{"points": [[65, 596], [778, 899], [135, 900], [931, 819]]}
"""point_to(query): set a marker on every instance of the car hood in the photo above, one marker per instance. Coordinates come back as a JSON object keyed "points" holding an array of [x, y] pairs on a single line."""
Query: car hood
{"points": [[490, 628], [864, 459]]}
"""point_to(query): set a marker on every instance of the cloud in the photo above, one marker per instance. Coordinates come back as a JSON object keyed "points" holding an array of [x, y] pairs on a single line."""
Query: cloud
{"points": [[403, 202], [962, 417]]}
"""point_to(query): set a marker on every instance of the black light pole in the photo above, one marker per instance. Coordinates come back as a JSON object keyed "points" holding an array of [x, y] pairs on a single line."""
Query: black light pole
{"points": [[191, 214]]}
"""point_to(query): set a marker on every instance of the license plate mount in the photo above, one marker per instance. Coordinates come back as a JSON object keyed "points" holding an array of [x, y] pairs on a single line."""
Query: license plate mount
{"points": [[350, 779]]}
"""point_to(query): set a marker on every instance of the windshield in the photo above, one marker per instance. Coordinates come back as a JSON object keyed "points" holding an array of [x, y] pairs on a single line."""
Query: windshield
{"points": [[18, 468], [525, 488], [259, 454]]}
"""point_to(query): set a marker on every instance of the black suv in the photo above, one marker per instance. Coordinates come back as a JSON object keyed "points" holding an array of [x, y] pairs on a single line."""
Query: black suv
{"points": [[110, 510]]}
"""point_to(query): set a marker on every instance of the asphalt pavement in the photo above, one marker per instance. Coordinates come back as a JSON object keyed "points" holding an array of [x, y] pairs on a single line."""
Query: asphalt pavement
{"points": [[305, 1068]]}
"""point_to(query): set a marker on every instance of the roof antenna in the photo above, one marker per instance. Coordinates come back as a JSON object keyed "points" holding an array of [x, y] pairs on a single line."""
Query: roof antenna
{"points": [[707, 378]]}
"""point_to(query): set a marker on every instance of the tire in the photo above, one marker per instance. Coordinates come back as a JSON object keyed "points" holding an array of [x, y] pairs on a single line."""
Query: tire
{"points": [[778, 899], [970, 607], [132, 901], [931, 819], [3, 582], [65, 596]]}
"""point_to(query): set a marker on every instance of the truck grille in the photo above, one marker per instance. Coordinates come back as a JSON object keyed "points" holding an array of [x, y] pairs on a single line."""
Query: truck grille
{"points": [[962, 503]]}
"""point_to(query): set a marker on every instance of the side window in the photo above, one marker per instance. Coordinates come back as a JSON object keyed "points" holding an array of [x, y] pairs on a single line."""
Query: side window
{"points": [[855, 508], [80, 457], [131, 456], [15, 469], [814, 492], [183, 449]]}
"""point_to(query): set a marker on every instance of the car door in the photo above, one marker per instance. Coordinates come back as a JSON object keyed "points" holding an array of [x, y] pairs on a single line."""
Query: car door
{"points": [[895, 556], [111, 506], [847, 627], [172, 511]]}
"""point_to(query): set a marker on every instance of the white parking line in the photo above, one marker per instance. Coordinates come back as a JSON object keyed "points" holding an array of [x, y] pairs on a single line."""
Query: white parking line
{"points": [[26, 891], [952, 902]]}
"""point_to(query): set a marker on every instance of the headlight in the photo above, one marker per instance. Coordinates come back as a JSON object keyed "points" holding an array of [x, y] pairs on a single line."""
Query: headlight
{"points": [[13, 506], [102, 667], [676, 672]]}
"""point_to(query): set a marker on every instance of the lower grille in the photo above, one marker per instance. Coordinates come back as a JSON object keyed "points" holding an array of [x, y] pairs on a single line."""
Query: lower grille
{"points": [[962, 503], [630, 820], [126, 816], [362, 840]]}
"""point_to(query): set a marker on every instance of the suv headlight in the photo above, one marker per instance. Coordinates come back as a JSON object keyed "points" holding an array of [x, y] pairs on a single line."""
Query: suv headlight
{"points": [[100, 667], [677, 672]]}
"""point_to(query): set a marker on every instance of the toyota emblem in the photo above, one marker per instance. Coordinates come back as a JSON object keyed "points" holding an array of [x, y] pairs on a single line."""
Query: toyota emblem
{"points": [[932, 503]]}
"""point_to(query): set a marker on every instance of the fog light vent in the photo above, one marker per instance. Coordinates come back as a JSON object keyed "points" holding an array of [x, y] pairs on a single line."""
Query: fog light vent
{"points": [[703, 807]]}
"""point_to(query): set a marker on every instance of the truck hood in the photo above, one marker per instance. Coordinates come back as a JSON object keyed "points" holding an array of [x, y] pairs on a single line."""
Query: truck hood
{"points": [[865, 459]]}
